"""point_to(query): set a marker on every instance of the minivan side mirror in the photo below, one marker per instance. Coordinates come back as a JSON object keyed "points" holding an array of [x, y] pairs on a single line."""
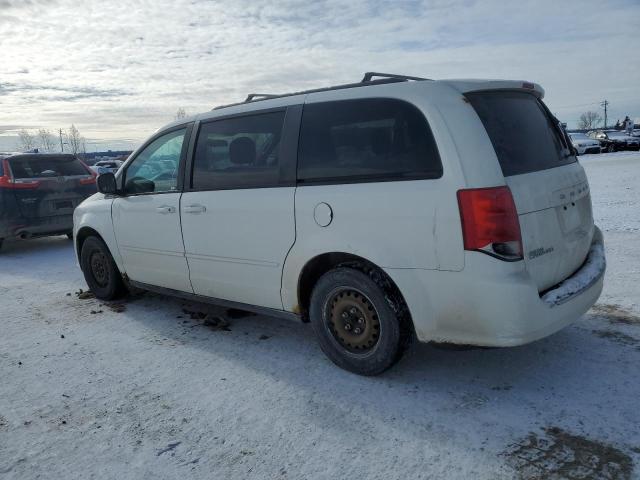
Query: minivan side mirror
{"points": [[107, 184]]}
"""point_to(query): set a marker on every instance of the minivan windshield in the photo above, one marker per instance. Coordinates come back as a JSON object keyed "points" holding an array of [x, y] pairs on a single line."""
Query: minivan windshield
{"points": [[522, 132], [36, 166]]}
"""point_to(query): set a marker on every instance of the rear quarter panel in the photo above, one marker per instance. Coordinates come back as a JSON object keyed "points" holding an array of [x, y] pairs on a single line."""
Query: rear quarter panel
{"points": [[412, 224]]}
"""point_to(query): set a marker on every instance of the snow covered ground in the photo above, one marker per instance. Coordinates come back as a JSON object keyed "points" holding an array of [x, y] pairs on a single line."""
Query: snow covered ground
{"points": [[142, 390]]}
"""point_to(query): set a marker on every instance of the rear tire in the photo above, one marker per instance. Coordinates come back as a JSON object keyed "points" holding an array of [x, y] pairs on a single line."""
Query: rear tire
{"points": [[358, 324], [100, 270]]}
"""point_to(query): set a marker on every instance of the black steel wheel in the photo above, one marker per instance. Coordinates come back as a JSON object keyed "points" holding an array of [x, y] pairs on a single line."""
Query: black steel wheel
{"points": [[99, 269], [358, 323], [353, 320]]}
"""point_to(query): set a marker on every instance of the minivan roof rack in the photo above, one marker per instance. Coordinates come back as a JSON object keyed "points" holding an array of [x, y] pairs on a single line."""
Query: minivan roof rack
{"points": [[252, 96], [369, 76], [367, 80]]}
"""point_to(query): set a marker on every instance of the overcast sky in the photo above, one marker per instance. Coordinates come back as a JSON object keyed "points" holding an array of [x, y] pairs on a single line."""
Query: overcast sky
{"points": [[119, 70]]}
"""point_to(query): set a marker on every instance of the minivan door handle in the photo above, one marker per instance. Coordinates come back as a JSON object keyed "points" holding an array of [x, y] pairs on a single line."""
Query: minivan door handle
{"points": [[196, 208], [164, 209]]}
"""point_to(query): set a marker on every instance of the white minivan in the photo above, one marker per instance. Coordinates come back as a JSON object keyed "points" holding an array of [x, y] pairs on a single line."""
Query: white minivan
{"points": [[380, 211]]}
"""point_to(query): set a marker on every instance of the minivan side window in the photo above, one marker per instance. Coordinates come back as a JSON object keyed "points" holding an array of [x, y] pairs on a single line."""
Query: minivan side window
{"points": [[368, 140], [239, 152], [155, 169]]}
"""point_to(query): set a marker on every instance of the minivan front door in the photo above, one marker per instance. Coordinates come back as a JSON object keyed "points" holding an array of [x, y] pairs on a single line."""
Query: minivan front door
{"points": [[238, 217], [146, 218]]}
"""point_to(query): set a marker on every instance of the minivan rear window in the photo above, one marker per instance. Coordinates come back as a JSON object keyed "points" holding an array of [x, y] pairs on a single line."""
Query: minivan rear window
{"points": [[365, 140], [522, 132], [50, 166]]}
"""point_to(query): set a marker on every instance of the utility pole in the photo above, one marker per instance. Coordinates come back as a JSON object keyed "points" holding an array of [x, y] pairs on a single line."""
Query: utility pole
{"points": [[62, 146], [605, 104]]}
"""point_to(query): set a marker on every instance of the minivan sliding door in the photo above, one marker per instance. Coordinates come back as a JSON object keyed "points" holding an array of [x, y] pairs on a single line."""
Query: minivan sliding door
{"points": [[238, 206]]}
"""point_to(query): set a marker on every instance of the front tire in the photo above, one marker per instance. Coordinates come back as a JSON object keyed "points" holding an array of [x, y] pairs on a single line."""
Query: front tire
{"points": [[611, 148], [100, 270], [358, 324]]}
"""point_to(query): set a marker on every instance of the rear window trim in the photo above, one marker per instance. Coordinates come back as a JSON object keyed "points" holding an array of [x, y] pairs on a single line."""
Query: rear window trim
{"points": [[369, 179]]}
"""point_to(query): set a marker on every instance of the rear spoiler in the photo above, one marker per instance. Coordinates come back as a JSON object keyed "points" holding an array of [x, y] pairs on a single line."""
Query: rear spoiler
{"points": [[467, 86]]}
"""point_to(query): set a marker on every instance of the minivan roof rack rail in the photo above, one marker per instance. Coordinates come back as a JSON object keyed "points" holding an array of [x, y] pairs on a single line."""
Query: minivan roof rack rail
{"points": [[367, 80], [264, 96], [369, 77]]}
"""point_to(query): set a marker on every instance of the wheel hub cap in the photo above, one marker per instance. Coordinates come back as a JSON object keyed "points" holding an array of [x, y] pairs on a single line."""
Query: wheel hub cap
{"points": [[99, 268], [353, 321]]}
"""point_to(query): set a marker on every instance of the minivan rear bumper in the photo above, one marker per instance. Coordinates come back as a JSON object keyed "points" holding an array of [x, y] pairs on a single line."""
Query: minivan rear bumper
{"points": [[494, 303]]}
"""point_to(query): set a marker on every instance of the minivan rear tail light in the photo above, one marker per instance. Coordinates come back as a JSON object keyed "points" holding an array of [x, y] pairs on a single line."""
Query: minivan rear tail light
{"points": [[7, 180], [490, 222]]}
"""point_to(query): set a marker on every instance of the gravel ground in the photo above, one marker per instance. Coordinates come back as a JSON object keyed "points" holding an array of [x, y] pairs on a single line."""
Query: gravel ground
{"points": [[158, 388]]}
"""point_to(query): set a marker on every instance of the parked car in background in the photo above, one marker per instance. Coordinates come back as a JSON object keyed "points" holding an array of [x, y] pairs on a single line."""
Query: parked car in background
{"points": [[584, 144], [104, 166], [614, 141], [38, 193], [378, 211]]}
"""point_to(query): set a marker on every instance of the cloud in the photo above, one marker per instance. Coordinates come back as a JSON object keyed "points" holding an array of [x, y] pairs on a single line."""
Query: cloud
{"points": [[121, 69]]}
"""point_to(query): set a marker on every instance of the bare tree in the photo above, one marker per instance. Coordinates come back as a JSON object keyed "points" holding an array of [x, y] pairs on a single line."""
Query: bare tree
{"points": [[589, 120], [75, 140], [181, 113], [46, 140], [27, 140]]}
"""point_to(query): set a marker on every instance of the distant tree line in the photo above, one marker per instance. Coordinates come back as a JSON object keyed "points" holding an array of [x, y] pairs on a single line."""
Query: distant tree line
{"points": [[592, 120], [589, 120], [70, 141]]}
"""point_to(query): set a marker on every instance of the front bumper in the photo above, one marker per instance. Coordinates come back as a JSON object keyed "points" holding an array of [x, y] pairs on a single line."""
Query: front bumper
{"points": [[493, 303]]}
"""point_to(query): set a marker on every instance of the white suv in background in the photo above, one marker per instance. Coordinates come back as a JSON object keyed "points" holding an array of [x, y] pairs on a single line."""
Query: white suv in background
{"points": [[392, 208], [584, 144]]}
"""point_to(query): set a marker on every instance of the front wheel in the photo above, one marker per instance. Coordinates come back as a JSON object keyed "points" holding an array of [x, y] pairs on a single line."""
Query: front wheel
{"points": [[358, 324], [611, 148], [99, 269]]}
